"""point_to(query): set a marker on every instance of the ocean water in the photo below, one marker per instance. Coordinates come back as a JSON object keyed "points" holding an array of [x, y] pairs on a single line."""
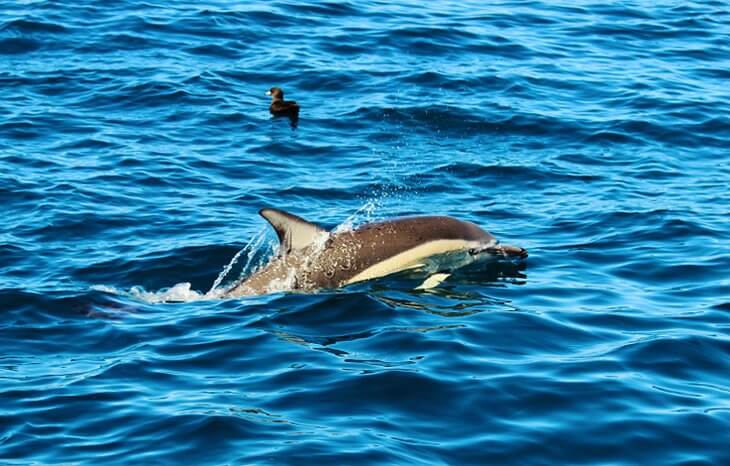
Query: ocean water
{"points": [[136, 149]]}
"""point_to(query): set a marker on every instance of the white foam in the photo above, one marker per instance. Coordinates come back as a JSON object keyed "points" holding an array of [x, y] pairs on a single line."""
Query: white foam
{"points": [[180, 293], [284, 284]]}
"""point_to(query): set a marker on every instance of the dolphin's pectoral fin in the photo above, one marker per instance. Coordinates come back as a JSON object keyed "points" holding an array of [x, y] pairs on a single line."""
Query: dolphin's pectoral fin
{"points": [[433, 281], [293, 232]]}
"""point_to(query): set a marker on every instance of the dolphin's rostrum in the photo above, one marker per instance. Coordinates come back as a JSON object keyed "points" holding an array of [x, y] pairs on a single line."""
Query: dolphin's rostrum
{"points": [[311, 258]]}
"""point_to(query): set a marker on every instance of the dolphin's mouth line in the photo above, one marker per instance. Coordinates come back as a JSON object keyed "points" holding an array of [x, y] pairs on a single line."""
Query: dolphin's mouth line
{"points": [[497, 249], [491, 250]]}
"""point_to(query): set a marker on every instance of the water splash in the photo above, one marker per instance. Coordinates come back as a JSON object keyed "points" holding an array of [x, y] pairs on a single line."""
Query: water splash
{"points": [[284, 284], [363, 214], [250, 266], [180, 293], [252, 247], [226, 270]]}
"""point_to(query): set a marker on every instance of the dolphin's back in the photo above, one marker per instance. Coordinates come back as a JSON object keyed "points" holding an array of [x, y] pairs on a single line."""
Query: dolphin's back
{"points": [[378, 249]]}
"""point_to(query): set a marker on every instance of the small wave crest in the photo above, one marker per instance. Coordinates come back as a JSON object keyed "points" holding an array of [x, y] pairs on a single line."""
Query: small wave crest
{"points": [[180, 293]]}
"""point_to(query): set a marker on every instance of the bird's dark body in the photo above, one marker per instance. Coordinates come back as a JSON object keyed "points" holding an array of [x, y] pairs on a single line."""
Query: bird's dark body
{"points": [[281, 107]]}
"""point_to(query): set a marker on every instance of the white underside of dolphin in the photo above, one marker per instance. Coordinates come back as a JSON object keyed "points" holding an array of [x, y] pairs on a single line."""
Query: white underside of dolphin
{"points": [[311, 258]]}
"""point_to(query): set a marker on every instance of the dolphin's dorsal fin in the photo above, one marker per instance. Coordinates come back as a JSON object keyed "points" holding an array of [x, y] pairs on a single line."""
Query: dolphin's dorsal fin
{"points": [[294, 232]]}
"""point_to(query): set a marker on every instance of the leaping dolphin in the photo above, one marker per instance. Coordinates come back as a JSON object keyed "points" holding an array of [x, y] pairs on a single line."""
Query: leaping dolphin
{"points": [[312, 258]]}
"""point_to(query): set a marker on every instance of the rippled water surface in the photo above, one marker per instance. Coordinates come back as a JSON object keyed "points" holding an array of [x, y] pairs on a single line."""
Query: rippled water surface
{"points": [[136, 149]]}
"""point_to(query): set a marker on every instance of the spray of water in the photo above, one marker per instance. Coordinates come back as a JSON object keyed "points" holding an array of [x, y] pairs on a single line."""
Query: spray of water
{"points": [[364, 213], [249, 267], [180, 293], [252, 246]]}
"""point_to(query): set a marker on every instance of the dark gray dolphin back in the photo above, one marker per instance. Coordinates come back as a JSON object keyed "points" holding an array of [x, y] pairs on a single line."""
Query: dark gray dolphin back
{"points": [[401, 234]]}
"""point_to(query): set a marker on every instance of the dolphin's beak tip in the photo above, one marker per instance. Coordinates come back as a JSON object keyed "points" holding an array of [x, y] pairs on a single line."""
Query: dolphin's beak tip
{"points": [[514, 251]]}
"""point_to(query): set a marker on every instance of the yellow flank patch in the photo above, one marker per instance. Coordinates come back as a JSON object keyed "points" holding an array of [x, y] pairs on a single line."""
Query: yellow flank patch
{"points": [[409, 259]]}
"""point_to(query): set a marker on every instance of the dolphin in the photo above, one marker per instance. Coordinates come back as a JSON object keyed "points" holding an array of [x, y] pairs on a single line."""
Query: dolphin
{"points": [[311, 258]]}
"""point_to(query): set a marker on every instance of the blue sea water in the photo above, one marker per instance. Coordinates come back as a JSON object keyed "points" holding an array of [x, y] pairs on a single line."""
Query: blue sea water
{"points": [[136, 149]]}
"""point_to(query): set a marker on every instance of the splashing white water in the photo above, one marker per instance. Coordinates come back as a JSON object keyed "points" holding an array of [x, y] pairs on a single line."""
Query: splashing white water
{"points": [[252, 246], [180, 293], [250, 267], [226, 270], [283, 284], [366, 212]]}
